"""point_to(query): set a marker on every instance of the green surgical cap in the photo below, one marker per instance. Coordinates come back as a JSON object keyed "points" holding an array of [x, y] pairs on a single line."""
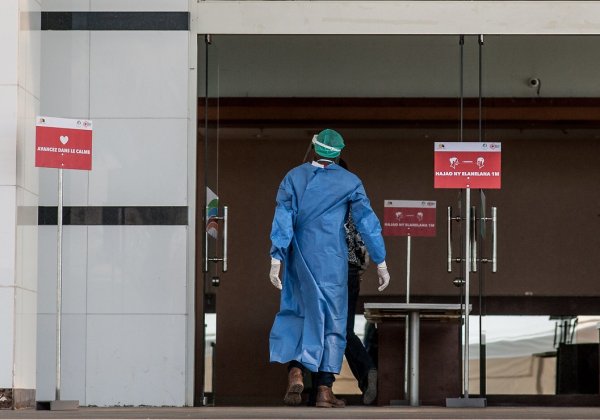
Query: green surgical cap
{"points": [[328, 143]]}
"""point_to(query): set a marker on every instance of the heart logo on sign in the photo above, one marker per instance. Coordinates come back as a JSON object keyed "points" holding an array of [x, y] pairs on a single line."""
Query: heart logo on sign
{"points": [[64, 139]]}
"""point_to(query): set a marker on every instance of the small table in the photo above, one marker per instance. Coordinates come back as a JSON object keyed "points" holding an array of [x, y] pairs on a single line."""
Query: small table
{"points": [[377, 312]]}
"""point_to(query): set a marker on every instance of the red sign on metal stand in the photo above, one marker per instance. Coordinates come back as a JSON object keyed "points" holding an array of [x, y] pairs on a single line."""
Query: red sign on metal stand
{"points": [[467, 165], [409, 218], [63, 143]]}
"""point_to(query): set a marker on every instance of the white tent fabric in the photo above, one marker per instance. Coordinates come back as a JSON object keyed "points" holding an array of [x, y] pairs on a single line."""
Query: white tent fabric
{"points": [[517, 336], [520, 356], [512, 336], [515, 353]]}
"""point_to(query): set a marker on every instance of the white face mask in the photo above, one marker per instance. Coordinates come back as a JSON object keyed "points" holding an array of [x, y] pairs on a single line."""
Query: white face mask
{"points": [[320, 165]]}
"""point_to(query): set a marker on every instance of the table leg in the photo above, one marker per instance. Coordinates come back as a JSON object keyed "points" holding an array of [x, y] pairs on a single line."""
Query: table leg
{"points": [[414, 358]]}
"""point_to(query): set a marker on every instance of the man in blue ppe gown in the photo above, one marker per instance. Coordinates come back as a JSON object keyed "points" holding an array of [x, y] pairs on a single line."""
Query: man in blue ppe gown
{"points": [[308, 235]]}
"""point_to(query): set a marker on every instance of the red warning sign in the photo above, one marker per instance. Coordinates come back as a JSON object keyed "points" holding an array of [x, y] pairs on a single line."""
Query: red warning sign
{"points": [[409, 218], [63, 143], [467, 165]]}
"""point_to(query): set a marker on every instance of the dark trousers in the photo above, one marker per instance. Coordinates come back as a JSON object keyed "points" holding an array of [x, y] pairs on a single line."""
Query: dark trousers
{"points": [[319, 378], [358, 359]]}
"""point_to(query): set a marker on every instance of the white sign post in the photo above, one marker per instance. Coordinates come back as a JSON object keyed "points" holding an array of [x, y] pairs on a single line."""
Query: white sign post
{"points": [[63, 144], [466, 165], [410, 218]]}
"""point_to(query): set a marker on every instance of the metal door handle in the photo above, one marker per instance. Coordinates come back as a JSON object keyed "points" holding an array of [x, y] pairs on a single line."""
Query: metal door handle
{"points": [[225, 212], [205, 249], [216, 259], [473, 241], [449, 239], [494, 239]]}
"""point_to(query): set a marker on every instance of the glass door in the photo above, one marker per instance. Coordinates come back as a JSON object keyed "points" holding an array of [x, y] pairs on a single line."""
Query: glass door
{"points": [[212, 231]]}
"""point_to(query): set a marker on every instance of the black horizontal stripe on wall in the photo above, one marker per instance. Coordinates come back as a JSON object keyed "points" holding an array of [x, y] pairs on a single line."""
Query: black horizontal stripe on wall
{"points": [[141, 215], [115, 21]]}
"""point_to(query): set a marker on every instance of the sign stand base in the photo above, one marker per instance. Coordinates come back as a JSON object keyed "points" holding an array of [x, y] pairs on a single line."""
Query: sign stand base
{"points": [[58, 405], [466, 402]]}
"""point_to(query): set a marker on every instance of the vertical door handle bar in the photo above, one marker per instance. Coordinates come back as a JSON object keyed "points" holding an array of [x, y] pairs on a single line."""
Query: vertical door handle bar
{"points": [[494, 239], [225, 213], [205, 240], [449, 239], [473, 240]]}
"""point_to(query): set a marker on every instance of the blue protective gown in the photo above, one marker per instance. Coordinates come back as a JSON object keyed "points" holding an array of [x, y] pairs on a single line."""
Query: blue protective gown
{"points": [[308, 236]]}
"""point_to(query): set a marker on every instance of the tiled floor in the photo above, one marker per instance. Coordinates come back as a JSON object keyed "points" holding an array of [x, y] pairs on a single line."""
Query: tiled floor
{"points": [[357, 412]]}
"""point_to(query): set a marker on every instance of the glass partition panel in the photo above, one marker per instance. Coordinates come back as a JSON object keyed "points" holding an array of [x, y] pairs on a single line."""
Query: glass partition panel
{"points": [[534, 355]]}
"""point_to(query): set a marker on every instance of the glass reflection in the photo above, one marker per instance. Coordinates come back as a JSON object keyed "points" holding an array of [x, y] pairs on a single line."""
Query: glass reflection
{"points": [[533, 355]]}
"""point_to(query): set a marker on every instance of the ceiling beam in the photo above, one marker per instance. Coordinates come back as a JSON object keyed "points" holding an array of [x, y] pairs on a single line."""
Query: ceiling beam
{"points": [[397, 17], [401, 112]]}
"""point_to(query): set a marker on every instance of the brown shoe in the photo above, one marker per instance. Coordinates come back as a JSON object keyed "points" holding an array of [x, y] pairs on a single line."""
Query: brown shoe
{"points": [[326, 399], [293, 396]]}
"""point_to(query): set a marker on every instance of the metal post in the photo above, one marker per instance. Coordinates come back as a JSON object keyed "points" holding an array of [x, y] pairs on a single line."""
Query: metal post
{"points": [[408, 269], [467, 283], [462, 96], [59, 280], [414, 359], [482, 359], [465, 401], [59, 404], [407, 337], [406, 357]]}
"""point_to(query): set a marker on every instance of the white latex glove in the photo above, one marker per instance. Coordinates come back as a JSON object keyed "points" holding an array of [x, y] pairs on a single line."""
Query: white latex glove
{"points": [[274, 274], [384, 276]]}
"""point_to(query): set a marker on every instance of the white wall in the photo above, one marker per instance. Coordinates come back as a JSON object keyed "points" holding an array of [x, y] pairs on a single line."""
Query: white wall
{"points": [[19, 103], [125, 287]]}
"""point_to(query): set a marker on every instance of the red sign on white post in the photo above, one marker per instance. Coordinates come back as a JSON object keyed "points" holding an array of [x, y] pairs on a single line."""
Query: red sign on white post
{"points": [[63, 143], [409, 218], [467, 165]]}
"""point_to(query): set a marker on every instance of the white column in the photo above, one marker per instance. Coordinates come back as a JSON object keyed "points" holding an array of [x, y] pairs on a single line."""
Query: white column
{"points": [[19, 103], [127, 297]]}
